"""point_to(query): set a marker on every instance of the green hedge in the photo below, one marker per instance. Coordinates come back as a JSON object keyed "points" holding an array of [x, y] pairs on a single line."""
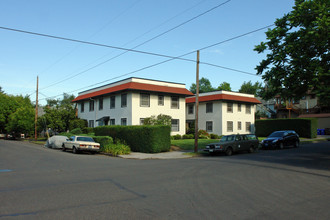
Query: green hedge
{"points": [[145, 138], [305, 127]]}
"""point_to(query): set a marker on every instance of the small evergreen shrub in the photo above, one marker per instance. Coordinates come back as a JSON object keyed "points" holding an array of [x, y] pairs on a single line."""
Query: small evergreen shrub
{"points": [[214, 136], [176, 137], [188, 136], [115, 149], [76, 131]]}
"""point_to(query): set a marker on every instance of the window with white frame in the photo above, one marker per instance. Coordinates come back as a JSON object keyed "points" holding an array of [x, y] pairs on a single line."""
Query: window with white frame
{"points": [[248, 126], [229, 107], [230, 126], [123, 121], [161, 100], [248, 109], [209, 126], [113, 102], [91, 123], [123, 100], [91, 105], [239, 125], [101, 103], [175, 102], [175, 125], [145, 100], [82, 107], [209, 107], [112, 121], [190, 109], [141, 121], [239, 107]]}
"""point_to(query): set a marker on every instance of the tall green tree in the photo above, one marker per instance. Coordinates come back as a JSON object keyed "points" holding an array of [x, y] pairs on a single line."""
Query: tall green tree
{"points": [[298, 53], [224, 86], [204, 86], [22, 121], [9, 104], [249, 88]]}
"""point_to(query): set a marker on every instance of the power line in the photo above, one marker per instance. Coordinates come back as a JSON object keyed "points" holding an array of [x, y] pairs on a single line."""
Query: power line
{"points": [[180, 58]]}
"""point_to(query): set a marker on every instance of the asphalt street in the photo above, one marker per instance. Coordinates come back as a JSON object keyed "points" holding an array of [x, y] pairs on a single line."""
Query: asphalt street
{"points": [[42, 183]]}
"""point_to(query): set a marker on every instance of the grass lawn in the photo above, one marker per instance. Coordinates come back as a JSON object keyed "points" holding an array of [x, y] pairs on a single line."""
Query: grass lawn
{"points": [[189, 144]]}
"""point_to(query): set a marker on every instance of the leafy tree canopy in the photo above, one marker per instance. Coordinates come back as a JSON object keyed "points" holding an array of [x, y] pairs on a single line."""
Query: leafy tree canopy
{"points": [[159, 120], [249, 88], [224, 86], [204, 86], [298, 53]]}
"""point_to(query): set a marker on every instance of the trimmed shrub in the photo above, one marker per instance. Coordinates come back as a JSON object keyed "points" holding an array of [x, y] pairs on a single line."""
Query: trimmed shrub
{"points": [[176, 137], [103, 140], [188, 136], [88, 130], [76, 131], [305, 127], [116, 149], [146, 139], [202, 134], [214, 136]]}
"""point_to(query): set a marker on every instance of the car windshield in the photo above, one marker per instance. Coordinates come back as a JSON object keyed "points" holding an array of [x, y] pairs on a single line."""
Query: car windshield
{"points": [[277, 134], [85, 139], [227, 138]]}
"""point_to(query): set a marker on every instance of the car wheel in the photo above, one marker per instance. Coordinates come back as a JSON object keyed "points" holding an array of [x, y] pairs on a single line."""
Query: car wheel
{"points": [[251, 149], [74, 150], [296, 144], [229, 151], [281, 146], [63, 148]]}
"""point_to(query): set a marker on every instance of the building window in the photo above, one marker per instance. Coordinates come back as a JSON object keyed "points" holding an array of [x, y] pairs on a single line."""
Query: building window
{"points": [[248, 126], [175, 124], [101, 103], [209, 126], [144, 100], [230, 126], [230, 107], [190, 109], [209, 107], [91, 123], [141, 121], [91, 105], [175, 102], [161, 100], [123, 121], [123, 100], [239, 125], [112, 121], [248, 109], [239, 107], [113, 102], [82, 107]]}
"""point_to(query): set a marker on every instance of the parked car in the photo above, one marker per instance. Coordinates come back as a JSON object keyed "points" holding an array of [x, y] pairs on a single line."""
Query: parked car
{"points": [[81, 143], [56, 141], [234, 143], [281, 139]]}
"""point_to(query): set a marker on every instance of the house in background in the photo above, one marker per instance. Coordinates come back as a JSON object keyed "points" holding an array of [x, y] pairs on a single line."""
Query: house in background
{"points": [[129, 101], [223, 112]]}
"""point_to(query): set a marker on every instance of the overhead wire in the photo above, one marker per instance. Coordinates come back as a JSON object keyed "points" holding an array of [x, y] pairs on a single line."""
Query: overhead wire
{"points": [[180, 58]]}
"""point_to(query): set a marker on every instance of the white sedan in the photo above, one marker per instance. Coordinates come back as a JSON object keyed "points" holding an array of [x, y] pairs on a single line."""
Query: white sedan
{"points": [[81, 143]]}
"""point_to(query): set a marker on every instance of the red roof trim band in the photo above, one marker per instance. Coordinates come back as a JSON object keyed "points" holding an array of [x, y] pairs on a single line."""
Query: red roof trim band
{"points": [[223, 97], [135, 86]]}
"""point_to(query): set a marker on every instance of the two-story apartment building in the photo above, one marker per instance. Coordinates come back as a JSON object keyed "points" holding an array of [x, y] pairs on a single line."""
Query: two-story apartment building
{"points": [[223, 112], [129, 101]]}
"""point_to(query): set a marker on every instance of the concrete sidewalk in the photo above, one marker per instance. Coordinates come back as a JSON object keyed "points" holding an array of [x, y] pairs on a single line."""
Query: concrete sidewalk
{"points": [[164, 155]]}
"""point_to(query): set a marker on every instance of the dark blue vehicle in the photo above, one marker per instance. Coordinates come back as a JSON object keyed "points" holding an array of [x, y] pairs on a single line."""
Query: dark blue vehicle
{"points": [[281, 139]]}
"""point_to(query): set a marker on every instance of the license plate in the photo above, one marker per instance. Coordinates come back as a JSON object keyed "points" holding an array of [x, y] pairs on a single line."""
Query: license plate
{"points": [[90, 146], [211, 150]]}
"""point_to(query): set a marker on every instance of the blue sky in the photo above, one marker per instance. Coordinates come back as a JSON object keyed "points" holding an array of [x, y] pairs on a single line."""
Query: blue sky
{"points": [[127, 24]]}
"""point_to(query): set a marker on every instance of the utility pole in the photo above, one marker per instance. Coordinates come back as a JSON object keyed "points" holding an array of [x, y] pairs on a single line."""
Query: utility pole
{"points": [[196, 103], [36, 117]]}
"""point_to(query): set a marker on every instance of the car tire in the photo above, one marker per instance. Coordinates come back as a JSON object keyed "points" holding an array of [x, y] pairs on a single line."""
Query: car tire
{"points": [[229, 151], [63, 148], [296, 144], [74, 150], [281, 146]]}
